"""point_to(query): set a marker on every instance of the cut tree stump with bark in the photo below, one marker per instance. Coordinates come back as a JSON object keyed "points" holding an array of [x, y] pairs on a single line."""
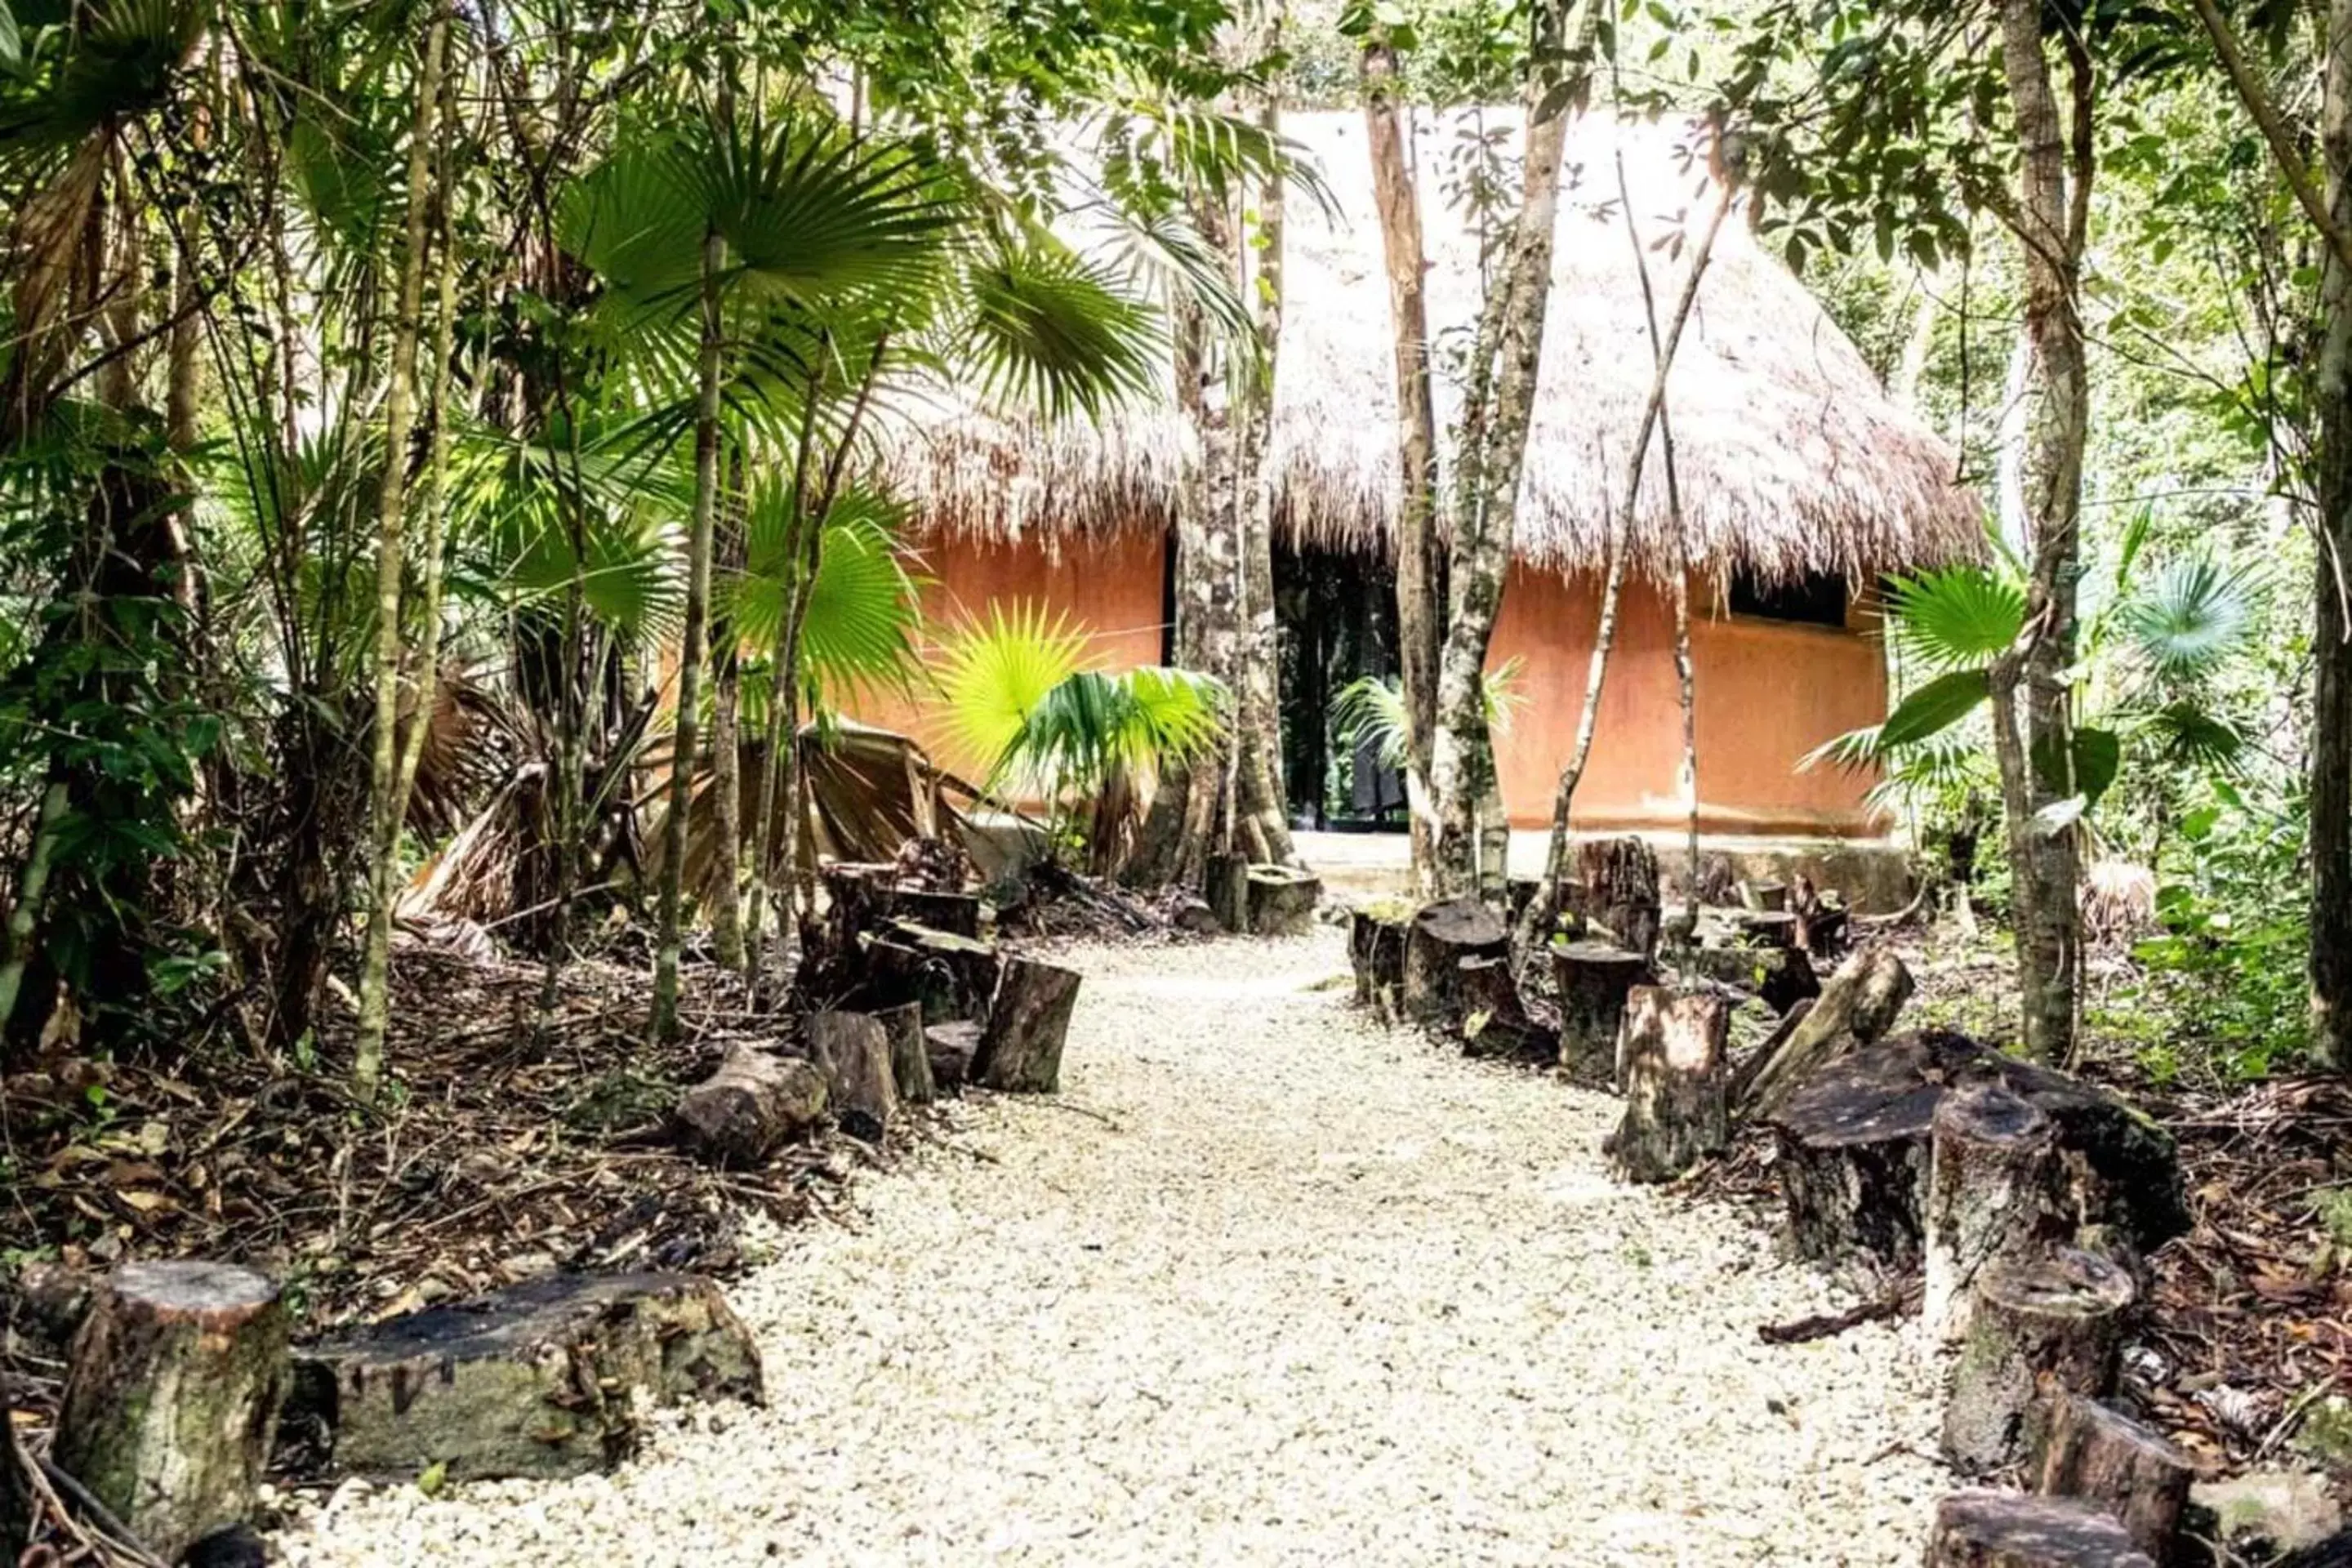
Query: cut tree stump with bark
{"points": [[1494, 1018], [16, 1491], [958, 914], [1282, 899], [1593, 980], [952, 976], [950, 1049], [1856, 1006], [2090, 1450], [1376, 952], [536, 1380], [753, 1104], [2041, 1327], [1028, 1020], [2004, 1530], [171, 1396], [1621, 889], [853, 1050], [910, 1064], [1225, 884], [1764, 897], [1441, 936], [1670, 1062], [1992, 1195]]}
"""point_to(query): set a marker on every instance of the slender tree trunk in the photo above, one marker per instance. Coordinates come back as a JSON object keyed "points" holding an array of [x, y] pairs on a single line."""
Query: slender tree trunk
{"points": [[1535, 922], [725, 754], [2030, 681], [1421, 615], [685, 736], [31, 888], [1258, 684], [384, 859], [2331, 748], [1462, 755]]}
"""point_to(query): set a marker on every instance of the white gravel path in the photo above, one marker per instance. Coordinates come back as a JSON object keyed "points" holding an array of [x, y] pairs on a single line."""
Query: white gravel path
{"points": [[1267, 1286]]}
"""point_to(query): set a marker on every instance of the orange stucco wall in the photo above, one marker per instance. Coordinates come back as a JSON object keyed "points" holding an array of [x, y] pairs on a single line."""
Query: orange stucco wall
{"points": [[1112, 587], [1767, 691]]}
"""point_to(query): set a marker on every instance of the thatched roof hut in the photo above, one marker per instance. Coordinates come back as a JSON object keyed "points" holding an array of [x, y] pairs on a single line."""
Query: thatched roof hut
{"points": [[1791, 457]]}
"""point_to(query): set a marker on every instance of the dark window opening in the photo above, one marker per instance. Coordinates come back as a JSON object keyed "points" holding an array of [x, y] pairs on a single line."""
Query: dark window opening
{"points": [[1812, 598]]}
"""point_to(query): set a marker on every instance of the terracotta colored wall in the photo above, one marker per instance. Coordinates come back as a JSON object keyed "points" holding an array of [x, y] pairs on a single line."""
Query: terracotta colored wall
{"points": [[1768, 692], [1112, 588]]}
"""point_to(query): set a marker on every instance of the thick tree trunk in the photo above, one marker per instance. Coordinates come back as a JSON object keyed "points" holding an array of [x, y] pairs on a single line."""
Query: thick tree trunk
{"points": [[2331, 744], [1257, 684], [390, 569], [1421, 612], [2031, 682], [177, 1373]]}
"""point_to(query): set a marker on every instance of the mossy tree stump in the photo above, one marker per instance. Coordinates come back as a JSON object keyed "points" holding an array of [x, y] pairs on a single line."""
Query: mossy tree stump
{"points": [[1281, 899], [2041, 1327], [1992, 1195], [172, 1396]]}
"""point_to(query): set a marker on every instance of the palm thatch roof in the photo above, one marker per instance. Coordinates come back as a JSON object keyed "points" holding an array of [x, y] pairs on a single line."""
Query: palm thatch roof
{"points": [[1791, 457]]}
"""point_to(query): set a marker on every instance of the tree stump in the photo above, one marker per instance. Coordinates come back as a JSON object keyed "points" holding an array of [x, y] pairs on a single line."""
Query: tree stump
{"points": [[1441, 936], [952, 976], [853, 1050], [1621, 883], [1670, 1060], [536, 1380], [1376, 952], [2091, 1451], [958, 914], [172, 1397], [1764, 896], [1021, 1044], [1494, 1020], [1853, 1159], [1225, 884], [1766, 928], [1593, 979], [910, 1064], [1856, 1006], [1282, 899], [1789, 979], [16, 1492], [1820, 924], [950, 1049], [2003, 1530], [2041, 1327], [754, 1102], [1991, 1196]]}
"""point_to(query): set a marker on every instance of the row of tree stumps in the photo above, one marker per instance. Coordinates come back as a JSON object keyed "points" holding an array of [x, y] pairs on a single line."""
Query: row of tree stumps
{"points": [[184, 1380], [2012, 1202]]}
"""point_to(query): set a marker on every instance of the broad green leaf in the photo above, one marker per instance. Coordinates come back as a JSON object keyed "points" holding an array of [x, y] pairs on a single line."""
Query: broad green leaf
{"points": [[1935, 707]]}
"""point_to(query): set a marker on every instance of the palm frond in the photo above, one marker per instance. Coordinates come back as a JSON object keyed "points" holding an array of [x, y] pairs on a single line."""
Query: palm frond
{"points": [[2190, 617], [996, 670], [1956, 616], [1050, 330]]}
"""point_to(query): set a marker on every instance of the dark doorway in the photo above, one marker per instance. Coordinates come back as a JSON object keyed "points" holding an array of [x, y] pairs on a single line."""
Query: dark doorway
{"points": [[1337, 616]]}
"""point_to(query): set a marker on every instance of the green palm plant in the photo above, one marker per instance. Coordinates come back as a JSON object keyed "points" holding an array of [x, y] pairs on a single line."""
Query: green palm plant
{"points": [[1088, 742], [2148, 646], [1371, 708]]}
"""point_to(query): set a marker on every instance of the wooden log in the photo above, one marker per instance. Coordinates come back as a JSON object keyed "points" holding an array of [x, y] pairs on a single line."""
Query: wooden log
{"points": [[753, 1103], [1441, 936], [536, 1380], [1225, 884], [950, 1049], [1670, 1062], [910, 1064], [1376, 952], [1592, 979], [172, 1397], [853, 1051], [2040, 1327], [2090, 1450], [1495, 1019], [1621, 882], [1764, 896], [2003, 1530], [958, 914], [1856, 1006], [1281, 899], [1021, 1044], [1991, 1196]]}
